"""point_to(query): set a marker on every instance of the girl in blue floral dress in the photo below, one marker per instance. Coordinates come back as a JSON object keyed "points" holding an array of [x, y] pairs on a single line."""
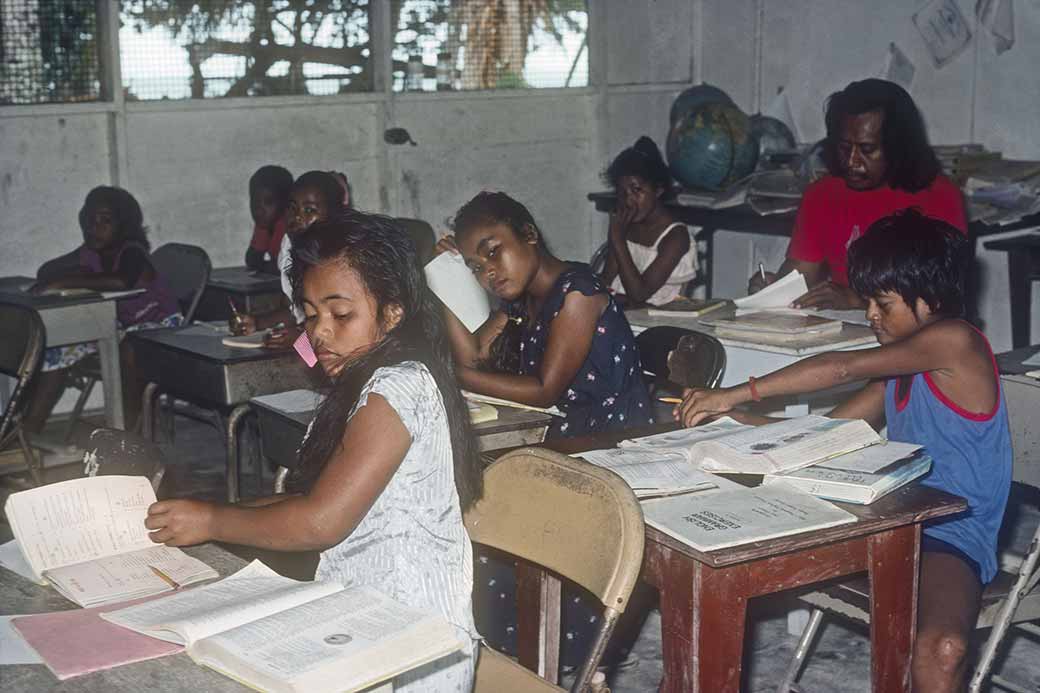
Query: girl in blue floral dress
{"points": [[561, 341]]}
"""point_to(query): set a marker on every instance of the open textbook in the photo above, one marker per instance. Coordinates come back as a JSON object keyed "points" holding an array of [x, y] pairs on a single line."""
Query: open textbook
{"points": [[727, 446], [87, 538], [652, 474], [741, 516], [457, 288], [276, 634]]}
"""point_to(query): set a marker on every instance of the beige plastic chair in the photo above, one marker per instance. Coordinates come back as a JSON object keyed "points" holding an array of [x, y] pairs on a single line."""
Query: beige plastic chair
{"points": [[566, 518]]}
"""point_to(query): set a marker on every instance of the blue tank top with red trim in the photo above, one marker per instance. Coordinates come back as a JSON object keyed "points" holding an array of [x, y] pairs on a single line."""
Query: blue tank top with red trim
{"points": [[971, 458]]}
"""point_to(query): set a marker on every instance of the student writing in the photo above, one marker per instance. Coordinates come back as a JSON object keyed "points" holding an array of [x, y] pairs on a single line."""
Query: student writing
{"points": [[389, 464], [934, 381]]}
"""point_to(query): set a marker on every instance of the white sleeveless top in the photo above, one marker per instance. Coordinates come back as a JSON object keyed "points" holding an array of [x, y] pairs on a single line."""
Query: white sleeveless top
{"points": [[642, 256]]}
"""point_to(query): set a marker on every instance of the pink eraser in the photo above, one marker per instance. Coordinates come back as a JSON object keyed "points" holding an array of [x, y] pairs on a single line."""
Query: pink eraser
{"points": [[305, 350]]}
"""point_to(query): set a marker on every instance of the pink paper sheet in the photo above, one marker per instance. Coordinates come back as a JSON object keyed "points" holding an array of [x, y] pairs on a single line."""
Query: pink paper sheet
{"points": [[77, 642], [304, 349]]}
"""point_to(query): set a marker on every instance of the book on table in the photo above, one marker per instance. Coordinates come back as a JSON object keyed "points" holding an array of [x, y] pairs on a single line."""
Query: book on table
{"points": [[684, 307], [87, 538], [728, 446], [860, 477], [741, 516], [276, 634], [652, 474], [774, 327]]}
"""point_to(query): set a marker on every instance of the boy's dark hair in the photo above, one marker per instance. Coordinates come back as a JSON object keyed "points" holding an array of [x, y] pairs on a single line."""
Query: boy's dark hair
{"points": [[911, 164], [128, 216], [642, 160], [916, 257], [488, 209], [325, 183], [384, 258], [274, 178]]}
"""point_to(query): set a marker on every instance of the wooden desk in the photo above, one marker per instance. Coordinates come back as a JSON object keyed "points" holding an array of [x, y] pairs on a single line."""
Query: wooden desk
{"points": [[1023, 255], [253, 292], [704, 595], [282, 431], [192, 364], [70, 320]]}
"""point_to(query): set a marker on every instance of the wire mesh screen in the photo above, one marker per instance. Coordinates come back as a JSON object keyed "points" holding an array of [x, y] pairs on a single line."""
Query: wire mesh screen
{"points": [[448, 45], [178, 49], [48, 51]]}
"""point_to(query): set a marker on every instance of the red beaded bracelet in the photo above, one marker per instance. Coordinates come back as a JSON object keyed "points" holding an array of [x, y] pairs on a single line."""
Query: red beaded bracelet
{"points": [[754, 392]]}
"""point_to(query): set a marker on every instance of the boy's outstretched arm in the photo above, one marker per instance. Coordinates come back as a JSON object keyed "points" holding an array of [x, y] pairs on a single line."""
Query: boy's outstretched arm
{"points": [[936, 347]]}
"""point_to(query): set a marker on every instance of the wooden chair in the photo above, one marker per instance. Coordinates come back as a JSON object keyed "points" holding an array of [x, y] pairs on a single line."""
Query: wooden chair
{"points": [[21, 349], [112, 451], [1011, 601], [560, 517]]}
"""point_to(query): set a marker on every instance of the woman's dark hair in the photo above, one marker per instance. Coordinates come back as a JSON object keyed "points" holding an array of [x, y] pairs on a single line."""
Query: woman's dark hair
{"points": [[129, 220], [642, 160], [489, 209], [325, 183], [911, 163], [274, 178], [384, 259], [916, 257]]}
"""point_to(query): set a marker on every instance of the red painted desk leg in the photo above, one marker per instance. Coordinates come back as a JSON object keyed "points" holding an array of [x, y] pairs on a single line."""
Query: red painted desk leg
{"points": [[719, 615], [675, 584], [893, 559]]}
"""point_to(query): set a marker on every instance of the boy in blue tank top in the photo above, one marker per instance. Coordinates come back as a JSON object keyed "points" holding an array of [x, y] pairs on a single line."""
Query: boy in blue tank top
{"points": [[934, 381]]}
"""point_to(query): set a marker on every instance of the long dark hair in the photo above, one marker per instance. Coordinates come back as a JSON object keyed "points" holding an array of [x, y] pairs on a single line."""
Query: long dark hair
{"points": [[489, 209], [129, 219], [384, 259], [911, 164]]}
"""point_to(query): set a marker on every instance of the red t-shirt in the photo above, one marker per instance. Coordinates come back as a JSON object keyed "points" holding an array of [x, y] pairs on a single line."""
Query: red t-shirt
{"points": [[832, 216]]}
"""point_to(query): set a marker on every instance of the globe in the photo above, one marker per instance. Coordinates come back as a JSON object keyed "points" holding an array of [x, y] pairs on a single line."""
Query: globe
{"points": [[711, 147], [772, 135], [695, 96]]}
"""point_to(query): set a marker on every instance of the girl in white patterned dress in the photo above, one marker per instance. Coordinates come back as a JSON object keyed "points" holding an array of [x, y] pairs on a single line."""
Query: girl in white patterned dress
{"points": [[389, 464]]}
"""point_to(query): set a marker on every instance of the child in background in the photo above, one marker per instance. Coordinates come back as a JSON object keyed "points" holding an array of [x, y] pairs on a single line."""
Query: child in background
{"points": [[315, 196], [113, 257], [649, 254], [935, 382], [269, 191], [389, 464], [561, 339]]}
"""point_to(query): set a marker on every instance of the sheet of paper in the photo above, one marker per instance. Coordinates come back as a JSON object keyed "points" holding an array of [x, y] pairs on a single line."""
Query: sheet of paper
{"points": [[13, 648], [293, 401], [457, 288], [871, 459], [303, 347], [780, 108], [779, 294], [1033, 360], [11, 557], [943, 29], [77, 520], [898, 67], [998, 18]]}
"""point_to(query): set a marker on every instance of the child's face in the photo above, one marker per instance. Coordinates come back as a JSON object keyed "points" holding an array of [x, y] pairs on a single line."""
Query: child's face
{"points": [[306, 206], [342, 318], [264, 206], [503, 262], [893, 319], [101, 228], [639, 195]]}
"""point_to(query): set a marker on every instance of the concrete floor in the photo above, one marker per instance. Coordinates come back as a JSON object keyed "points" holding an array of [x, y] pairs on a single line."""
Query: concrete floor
{"points": [[840, 660]]}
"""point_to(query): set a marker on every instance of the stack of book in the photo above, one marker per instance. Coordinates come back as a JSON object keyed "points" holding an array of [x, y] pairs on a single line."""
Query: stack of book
{"points": [[768, 327]]}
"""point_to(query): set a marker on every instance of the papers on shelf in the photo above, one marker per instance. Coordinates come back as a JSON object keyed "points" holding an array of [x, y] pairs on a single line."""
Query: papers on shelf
{"points": [[497, 401], [457, 288], [779, 294]]}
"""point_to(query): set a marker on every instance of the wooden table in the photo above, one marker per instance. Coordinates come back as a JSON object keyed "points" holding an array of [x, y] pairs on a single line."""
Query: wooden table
{"points": [[1023, 255], [282, 430], [253, 292], [704, 595], [75, 319], [192, 364]]}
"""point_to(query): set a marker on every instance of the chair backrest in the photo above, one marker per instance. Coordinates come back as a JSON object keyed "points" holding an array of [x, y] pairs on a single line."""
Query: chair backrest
{"points": [[112, 451], [577, 520], [698, 360], [21, 348], [599, 258], [185, 269], [421, 234]]}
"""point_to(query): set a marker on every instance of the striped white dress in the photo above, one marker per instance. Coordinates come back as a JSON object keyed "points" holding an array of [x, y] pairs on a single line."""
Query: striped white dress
{"points": [[412, 544]]}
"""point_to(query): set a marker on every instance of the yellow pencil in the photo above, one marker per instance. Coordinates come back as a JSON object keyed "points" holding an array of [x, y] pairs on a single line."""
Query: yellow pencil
{"points": [[166, 578], [670, 400]]}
